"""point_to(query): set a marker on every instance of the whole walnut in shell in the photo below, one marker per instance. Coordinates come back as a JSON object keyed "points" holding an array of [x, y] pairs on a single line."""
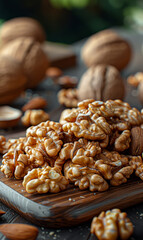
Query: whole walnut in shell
{"points": [[12, 79], [106, 47], [22, 27], [30, 54], [102, 82]]}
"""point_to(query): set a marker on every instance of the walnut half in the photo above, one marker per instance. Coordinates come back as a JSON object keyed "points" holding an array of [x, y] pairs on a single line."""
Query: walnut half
{"points": [[111, 225], [43, 180]]}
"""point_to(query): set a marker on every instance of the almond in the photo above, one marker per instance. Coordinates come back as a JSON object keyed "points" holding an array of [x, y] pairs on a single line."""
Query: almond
{"points": [[19, 231], [2, 212], [35, 103]]}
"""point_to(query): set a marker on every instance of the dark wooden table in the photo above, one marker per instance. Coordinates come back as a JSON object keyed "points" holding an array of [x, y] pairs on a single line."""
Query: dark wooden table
{"points": [[48, 90]]}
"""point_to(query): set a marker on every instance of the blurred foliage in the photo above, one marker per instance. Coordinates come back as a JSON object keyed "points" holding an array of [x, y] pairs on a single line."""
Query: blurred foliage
{"points": [[71, 20]]}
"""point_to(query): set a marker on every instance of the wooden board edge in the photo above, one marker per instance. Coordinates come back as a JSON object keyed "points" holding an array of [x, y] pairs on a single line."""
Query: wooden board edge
{"points": [[65, 216]]}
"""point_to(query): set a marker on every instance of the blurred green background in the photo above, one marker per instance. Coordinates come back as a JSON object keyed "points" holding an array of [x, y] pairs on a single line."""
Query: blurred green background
{"points": [[68, 21]]}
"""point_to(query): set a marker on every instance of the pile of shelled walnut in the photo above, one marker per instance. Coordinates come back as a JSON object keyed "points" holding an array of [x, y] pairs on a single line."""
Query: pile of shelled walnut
{"points": [[90, 147]]}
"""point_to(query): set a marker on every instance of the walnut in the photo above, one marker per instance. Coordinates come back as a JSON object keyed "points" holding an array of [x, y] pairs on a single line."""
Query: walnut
{"points": [[67, 82], [113, 158], [64, 114], [7, 166], [89, 128], [121, 176], [106, 47], [123, 141], [83, 152], [3, 149], [135, 80], [136, 145], [22, 166], [27, 52], [85, 177], [41, 129], [12, 79], [68, 97], [45, 180], [137, 164], [23, 26], [34, 117], [101, 82], [111, 225], [16, 163], [52, 143], [108, 163]]}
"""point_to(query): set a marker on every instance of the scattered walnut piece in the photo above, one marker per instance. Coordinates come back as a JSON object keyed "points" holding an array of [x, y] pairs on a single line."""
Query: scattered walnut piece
{"points": [[134, 80], [45, 180], [111, 225], [68, 97], [67, 82], [34, 117], [54, 72], [35, 103]]}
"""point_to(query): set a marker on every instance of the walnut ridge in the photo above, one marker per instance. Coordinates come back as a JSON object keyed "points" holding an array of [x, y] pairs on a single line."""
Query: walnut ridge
{"points": [[101, 83]]}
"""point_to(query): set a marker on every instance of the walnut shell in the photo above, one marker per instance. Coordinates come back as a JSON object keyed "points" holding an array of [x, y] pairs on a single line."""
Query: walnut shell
{"points": [[12, 79], [101, 83], [106, 47], [22, 27], [136, 145], [30, 54]]}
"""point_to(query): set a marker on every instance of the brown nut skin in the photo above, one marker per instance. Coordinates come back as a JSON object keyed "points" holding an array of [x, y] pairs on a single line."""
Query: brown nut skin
{"points": [[140, 92], [22, 27], [106, 47], [136, 145], [12, 79], [30, 54], [101, 83]]}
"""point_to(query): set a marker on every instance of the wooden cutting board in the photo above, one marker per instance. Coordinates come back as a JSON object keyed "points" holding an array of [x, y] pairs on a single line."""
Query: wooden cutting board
{"points": [[69, 207]]}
